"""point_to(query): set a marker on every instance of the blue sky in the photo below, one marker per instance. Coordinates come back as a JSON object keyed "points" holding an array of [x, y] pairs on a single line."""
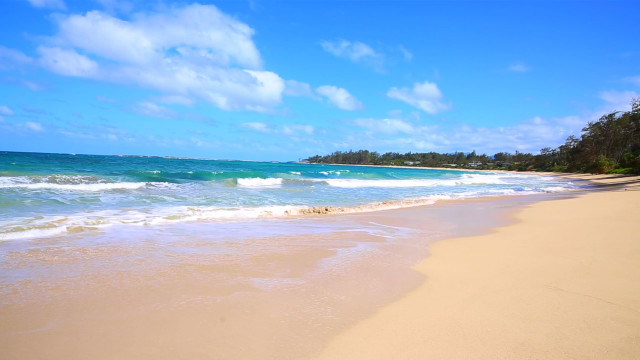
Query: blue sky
{"points": [[283, 80]]}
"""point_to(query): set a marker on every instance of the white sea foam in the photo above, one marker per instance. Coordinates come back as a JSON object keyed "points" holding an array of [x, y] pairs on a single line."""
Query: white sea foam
{"points": [[259, 182], [337, 172], [48, 226], [466, 179], [211, 213], [73, 183], [63, 182], [34, 233], [78, 187]]}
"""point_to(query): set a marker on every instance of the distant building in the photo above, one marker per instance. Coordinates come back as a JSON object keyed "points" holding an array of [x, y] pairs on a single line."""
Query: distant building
{"points": [[410, 163]]}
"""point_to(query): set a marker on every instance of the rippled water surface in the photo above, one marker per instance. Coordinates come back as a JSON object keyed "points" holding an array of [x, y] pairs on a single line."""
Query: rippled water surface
{"points": [[45, 195]]}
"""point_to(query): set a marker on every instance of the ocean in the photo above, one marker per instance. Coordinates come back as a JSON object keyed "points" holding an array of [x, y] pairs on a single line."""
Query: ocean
{"points": [[48, 195], [134, 257]]}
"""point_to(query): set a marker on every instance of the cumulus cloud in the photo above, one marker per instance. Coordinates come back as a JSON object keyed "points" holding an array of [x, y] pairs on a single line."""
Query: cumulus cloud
{"points": [[424, 96], [339, 97], [48, 4], [385, 126], [519, 67], [67, 62], [193, 51], [357, 52]]}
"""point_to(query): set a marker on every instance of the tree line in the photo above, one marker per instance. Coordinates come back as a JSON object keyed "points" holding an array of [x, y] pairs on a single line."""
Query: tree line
{"points": [[609, 145]]}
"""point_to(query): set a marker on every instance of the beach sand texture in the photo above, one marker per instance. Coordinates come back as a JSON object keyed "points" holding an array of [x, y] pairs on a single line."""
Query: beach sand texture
{"points": [[561, 283]]}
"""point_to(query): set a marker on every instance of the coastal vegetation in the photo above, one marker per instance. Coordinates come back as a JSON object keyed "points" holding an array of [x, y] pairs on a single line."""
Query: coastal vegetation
{"points": [[609, 145]]}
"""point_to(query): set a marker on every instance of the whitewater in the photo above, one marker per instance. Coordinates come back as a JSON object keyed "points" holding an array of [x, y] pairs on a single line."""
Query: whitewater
{"points": [[48, 195]]}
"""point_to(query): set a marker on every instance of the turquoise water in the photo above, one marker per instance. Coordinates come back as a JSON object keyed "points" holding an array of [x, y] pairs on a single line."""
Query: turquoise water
{"points": [[44, 195]]}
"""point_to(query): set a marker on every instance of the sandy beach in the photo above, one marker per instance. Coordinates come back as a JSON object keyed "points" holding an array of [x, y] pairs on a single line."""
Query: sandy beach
{"points": [[563, 282], [501, 277]]}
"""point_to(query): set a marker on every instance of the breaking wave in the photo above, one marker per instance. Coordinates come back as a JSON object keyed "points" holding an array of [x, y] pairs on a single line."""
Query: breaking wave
{"points": [[259, 182]]}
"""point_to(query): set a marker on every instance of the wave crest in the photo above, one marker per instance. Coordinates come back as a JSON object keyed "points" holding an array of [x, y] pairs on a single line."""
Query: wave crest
{"points": [[259, 182]]}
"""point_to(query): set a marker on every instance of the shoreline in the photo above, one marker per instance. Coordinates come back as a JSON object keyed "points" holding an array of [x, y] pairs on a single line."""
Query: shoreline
{"points": [[281, 295], [560, 282], [272, 297]]}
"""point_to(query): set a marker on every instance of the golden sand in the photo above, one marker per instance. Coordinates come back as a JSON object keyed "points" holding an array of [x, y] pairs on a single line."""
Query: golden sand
{"points": [[561, 283]]}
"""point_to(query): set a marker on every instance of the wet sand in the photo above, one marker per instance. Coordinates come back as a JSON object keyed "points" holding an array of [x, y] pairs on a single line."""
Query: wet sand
{"points": [[563, 282], [269, 289]]}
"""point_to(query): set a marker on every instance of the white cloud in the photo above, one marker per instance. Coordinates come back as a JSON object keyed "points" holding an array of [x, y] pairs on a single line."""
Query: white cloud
{"points": [[107, 37], [34, 126], [339, 97], [297, 88], [197, 32], [150, 109], [256, 126], [385, 126], [5, 110], [357, 52], [519, 67], [67, 62], [195, 51], [48, 4], [618, 100], [425, 96], [398, 134]]}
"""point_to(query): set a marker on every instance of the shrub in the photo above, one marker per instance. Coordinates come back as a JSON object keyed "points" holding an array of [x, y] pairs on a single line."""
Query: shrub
{"points": [[631, 161], [622, 171], [560, 168], [603, 165]]}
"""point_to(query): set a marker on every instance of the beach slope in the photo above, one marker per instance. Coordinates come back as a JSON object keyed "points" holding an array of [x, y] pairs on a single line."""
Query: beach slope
{"points": [[563, 282]]}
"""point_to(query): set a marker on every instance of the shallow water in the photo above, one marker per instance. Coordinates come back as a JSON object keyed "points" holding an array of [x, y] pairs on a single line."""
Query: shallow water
{"points": [[275, 288], [47, 195], [108, 257]]}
